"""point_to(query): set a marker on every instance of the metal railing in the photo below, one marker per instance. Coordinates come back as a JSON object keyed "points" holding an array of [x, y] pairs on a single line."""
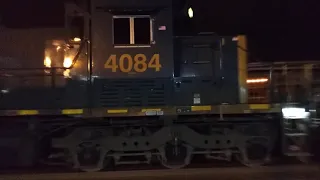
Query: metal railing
{"points": [[34, 77], [287, 81]]}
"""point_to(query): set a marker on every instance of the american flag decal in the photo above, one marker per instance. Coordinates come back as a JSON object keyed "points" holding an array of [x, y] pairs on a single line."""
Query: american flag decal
{"points": [[162, 28]]}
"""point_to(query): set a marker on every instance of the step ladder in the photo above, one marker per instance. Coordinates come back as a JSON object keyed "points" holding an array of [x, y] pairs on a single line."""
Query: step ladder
{"points": [[294, 138]]}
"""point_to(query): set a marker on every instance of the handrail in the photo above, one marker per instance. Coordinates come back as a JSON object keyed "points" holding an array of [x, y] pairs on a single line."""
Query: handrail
{"points": [[275, 68], [280, 65], [283, 63], [44, 68]]}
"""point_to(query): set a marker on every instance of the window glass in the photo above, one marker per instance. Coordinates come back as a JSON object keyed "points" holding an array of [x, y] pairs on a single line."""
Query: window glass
{"points": [[142, 30], [132, 30], [121, 31]]}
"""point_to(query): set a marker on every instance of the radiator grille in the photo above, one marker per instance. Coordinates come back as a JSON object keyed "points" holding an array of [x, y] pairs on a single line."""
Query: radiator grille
{"points": [[128, 93]]}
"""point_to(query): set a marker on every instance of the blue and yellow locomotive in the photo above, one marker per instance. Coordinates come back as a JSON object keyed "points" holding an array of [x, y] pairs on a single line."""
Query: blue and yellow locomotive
{"points": [[128, 86]]}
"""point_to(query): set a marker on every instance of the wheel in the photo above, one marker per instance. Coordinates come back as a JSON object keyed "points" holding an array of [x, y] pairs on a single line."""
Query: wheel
{"points": [[175, 155], [90, 158], [254, 153]]}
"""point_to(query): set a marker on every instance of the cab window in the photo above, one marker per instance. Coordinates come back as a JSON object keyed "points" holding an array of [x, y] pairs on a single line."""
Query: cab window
{"points": [[132, 30]]}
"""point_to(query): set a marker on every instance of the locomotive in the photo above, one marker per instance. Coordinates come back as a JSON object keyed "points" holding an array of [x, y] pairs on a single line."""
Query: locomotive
{"points": [[129, 90]]}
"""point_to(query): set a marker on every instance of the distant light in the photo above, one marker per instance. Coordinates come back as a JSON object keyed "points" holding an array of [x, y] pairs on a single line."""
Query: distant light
{"points": [[260, 80], [67, 63], [190, 12], [4, 91], [76, 39]]}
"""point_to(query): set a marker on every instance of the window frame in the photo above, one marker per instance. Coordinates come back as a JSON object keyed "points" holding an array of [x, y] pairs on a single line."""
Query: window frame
{"points": [[132, 32]]}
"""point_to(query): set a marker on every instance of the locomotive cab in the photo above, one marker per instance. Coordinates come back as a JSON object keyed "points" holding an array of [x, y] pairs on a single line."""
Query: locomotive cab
{"points": [[132, 52], [132, 39]]}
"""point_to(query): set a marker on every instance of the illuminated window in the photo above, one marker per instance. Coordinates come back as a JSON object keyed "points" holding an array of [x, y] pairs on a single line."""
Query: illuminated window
{"points": [[132, 30]]}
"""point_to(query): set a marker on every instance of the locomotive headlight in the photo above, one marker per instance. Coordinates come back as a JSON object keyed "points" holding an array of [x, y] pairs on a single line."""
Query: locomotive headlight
{"points": [[295, 113], [67, 63]]}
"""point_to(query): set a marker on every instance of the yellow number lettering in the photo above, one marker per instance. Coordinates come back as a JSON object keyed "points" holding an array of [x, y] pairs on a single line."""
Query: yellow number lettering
{"points": [[111, 63], [140, 63], [155, 62], [122, 63]]}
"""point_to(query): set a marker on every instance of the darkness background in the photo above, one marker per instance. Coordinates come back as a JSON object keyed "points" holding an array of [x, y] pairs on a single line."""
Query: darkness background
{"points": [[278, 30]]}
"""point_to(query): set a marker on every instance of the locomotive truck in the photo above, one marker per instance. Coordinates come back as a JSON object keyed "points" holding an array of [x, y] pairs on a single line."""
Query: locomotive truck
{"points": [[127, 88]]}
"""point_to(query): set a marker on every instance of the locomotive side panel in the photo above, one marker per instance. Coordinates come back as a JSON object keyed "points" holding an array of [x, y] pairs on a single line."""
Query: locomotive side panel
{"points": [[199, 55], [132, 39], [209, 71]]}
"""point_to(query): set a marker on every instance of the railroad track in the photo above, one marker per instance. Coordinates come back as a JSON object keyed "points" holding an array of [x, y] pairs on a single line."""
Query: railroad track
{"points": [[220, 166], [236, 173]]}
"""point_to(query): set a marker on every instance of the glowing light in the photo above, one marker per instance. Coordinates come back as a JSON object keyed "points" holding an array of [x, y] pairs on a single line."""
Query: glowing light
{"points": [[67, 63], [190, 12], [260, 80], [76, 39], [58, 48], [47, 62], [66, 73], [4, 91], [295, 113]]}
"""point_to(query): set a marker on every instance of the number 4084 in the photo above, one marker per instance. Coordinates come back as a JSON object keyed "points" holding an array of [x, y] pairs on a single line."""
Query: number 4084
{"points": [[138, 63]]}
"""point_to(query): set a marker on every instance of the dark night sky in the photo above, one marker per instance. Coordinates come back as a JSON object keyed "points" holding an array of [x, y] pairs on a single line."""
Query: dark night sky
{"points": [[278, 30]]}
